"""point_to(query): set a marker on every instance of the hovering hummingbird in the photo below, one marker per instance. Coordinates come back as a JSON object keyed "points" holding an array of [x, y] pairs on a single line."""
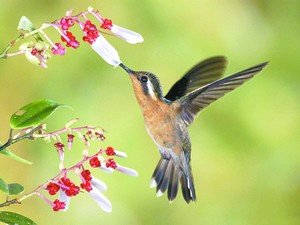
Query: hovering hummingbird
{"points": [[167, 117]]}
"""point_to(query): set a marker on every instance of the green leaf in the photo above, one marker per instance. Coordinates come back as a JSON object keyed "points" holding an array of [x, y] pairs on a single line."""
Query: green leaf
{"points": [[14, 156], [3, 186], [11, 189], [26, 25], [15, 189], [34, 113], [15, 218]]}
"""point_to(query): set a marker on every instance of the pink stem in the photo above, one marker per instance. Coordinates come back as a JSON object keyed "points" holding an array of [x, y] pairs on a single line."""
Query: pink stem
{"points": [[46, 199]]}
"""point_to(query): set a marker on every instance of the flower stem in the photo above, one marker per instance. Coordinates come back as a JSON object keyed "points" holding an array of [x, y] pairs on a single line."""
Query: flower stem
{"points": [[11, 140], [10, 202], [4, 54]]}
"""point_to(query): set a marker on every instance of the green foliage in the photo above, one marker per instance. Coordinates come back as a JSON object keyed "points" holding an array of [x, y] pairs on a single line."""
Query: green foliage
{"points": [[3, 186], [14, 156], [11, 189], [15, 189], [15, 218], [34, 113], [26, 25]]}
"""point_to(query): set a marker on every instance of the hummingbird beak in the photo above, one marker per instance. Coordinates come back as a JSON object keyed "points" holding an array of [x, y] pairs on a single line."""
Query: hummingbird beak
{"points": [[126, 69]]}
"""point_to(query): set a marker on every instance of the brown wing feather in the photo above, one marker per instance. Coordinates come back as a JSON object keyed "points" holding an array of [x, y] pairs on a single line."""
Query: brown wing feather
{"points": [[194, 102]]}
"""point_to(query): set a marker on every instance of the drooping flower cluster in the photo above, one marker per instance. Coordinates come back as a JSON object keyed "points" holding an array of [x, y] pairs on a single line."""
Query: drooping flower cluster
{"points": [[37, 53], [65, 184]]}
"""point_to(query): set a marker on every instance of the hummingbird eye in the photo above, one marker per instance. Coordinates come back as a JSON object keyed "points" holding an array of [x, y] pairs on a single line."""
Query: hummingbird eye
{"points": [[144, 79]]}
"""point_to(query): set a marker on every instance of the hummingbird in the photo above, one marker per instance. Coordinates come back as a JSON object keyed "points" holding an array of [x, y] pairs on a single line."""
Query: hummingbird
{"points": [[167, 117]]}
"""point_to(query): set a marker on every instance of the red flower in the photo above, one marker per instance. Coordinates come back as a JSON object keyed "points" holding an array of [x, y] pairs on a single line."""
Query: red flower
{"points": [[71, 189], [58, 49], [72, 42], [58, 205], [90, 31], [70, 140], [86, 184], [106, 24], [52, 188], [66, 23], [95, 162], [86, 174], [59, 146], [110, 151], [111, 163]]}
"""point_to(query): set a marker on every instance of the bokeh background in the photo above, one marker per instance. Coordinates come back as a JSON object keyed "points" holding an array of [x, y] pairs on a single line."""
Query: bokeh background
{"points": [[245, 147]]}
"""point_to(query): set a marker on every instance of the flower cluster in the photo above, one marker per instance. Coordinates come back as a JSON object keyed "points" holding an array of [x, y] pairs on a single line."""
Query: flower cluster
{"points": [[67, 188], [58, 205], [65, 184], [91, 32], [37, 53], [70, 40], [66, 23]]}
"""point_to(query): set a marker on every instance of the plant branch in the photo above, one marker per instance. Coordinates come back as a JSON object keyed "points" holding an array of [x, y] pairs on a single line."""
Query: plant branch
{"points": [[3, 54], [28, 135], [10, 202]]}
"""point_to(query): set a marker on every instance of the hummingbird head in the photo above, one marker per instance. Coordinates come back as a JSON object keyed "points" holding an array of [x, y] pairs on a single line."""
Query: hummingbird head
{"points": [[145, 84]]}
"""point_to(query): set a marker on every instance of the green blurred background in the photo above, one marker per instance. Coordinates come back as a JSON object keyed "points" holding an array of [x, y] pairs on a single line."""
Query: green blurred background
{"points": [[246, 150]]}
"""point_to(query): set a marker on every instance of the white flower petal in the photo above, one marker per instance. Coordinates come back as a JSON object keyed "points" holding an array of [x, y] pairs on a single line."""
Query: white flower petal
{"points": [[100, 185], [25, 46], [121, 154], [64, 198], [101, 200], [103, 48], [127, 35], [126, 170], [31, 58], [105, 169]]}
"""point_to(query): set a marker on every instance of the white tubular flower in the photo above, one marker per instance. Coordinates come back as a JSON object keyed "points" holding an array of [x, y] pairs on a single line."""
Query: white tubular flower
{"points": [[121, 154], [103, 48], [100, 185], [64, 198], [100, 199], [126, 170], [121, 32], [127, 35], [105, 169]]}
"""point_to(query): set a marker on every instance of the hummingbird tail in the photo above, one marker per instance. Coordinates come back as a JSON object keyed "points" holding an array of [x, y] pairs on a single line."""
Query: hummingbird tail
{"points": [[187, 185], [166, 176]]}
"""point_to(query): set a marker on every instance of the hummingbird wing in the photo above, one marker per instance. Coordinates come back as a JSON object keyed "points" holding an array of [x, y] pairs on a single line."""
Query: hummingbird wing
{"points": [[201, 74], [197, 100]]}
